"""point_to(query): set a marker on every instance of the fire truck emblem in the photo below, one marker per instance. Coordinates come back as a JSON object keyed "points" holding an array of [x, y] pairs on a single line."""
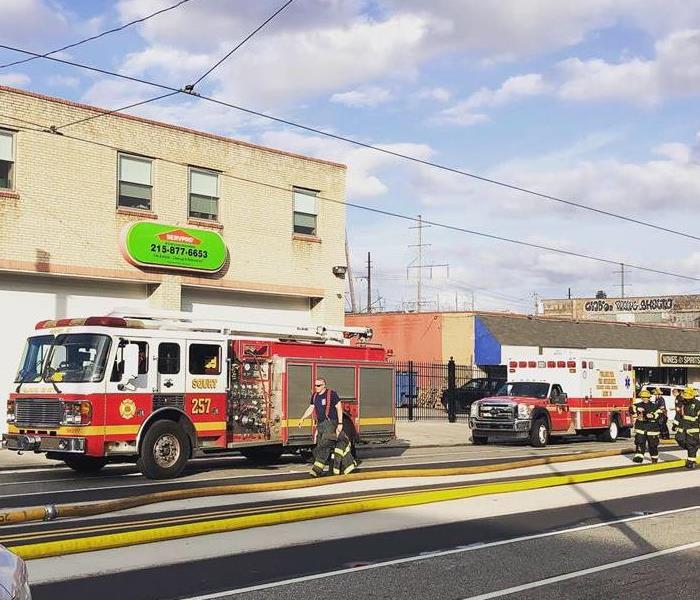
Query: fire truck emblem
{"points": [[127, 408]]}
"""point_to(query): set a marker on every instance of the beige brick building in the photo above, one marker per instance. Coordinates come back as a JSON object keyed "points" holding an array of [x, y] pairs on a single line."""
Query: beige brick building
{"points": [[66, 199]]}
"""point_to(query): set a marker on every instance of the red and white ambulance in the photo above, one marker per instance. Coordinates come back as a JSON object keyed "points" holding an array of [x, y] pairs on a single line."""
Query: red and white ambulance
{"points": [[554, 396], [159, 390]]}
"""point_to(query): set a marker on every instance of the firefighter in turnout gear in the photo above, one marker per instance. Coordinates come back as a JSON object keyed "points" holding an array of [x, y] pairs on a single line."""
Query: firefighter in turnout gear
{"points": [[663, 417], [327, 410], [646, 427], [687, 425]]}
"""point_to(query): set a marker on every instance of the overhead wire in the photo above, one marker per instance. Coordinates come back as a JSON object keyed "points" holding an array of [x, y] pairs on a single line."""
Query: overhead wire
{"points": [[410, 218], [99, 35], [375, 148], [188, 89]]}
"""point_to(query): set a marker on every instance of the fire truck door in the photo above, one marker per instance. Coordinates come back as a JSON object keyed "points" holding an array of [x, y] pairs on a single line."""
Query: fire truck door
{"points": [[170, 373], [205, 387]]}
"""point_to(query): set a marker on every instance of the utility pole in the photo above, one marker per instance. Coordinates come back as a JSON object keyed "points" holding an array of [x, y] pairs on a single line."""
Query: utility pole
{"points": [[569, 293], [420, 266], [621, 273], [351, 279], [536, 298], [369, 282]]}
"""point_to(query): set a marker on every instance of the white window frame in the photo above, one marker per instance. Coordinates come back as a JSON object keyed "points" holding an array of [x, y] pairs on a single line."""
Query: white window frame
{"points": [[189, 193], [312, 194], [144, 159], [13, 159]]}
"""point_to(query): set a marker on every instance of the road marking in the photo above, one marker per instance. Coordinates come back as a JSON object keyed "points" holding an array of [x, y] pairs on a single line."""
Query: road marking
{"points": [[431, 555], [583, 572]]}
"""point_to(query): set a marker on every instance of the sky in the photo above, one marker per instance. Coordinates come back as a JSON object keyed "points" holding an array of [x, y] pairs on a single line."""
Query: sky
{"points": [[591, 101]]}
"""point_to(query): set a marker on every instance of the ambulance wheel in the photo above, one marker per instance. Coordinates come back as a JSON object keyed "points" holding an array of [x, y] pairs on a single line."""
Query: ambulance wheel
{"points": [[539, 434], [263, 456], [612, 432], [85, 464], [165, 451], [480, 440]]}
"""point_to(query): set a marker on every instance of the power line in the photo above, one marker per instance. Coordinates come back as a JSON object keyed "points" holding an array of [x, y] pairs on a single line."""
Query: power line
{"points": [[99, 35], [369, 146], [250, 35], [411, 218], [188, 89]]}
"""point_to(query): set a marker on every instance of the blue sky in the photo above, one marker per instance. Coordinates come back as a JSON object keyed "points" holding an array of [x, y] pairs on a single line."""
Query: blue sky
{"points": [[594, 101]]}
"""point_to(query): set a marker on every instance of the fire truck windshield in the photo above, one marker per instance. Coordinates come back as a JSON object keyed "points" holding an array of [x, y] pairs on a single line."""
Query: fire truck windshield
{"points": [[529, 389], [77, 357], [33, 358]]}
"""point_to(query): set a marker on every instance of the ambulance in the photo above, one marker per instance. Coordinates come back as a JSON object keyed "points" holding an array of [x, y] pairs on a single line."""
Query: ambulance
{"points": [[159, 389], [556, 396]]}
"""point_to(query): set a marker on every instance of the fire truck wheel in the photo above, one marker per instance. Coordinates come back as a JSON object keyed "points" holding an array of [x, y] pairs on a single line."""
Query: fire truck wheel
{"points": [[85, 464], [164, 451], [539, 434], [612, 432], [480, 440], [262, 456]]}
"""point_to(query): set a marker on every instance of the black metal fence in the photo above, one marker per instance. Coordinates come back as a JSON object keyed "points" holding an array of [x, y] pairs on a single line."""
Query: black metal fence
{"points": [[428, 390]]}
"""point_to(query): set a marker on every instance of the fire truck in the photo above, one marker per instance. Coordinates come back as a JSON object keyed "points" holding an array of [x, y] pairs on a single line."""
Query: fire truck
{"points": [[552, 396], [161, 389]]}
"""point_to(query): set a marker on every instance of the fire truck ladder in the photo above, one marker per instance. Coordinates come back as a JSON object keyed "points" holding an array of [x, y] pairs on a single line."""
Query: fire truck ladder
{"points": [[188, 322]]}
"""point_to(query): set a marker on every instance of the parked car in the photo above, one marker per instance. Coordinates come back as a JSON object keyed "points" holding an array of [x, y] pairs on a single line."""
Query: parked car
{"points": [[14, 582], [474, 389]]}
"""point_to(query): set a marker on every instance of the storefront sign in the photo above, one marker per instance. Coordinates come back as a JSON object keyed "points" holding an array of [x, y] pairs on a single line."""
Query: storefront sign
{"points": [[680, 360], [147, 244], [631, 305]]}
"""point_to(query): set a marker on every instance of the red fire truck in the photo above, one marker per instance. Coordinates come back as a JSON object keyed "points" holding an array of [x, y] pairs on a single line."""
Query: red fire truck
{"points": [[557, 396], [160, 390]]}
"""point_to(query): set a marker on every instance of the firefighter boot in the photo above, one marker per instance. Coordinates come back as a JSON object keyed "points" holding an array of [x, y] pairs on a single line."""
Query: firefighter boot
{"points": [[690, 464], [638, 457]]}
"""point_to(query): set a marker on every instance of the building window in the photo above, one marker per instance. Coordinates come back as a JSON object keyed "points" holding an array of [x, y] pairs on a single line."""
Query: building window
{"points": [[7, 159], [135, 183], [305, 211], [204, 194]]}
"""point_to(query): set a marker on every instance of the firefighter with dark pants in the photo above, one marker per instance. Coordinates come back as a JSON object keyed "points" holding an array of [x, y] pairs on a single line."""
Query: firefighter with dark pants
{"points": [[327, 410], [663, 416], [687, 425], [646, 427]]}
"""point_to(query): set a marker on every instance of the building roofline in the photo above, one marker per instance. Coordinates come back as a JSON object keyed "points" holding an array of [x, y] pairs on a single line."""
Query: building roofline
{"points": [[214, 136], [530, 317], [617, 297]]}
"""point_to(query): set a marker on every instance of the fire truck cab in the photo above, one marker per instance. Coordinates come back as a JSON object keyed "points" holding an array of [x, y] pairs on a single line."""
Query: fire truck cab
{"points": [[159, 390], [554, 397]]}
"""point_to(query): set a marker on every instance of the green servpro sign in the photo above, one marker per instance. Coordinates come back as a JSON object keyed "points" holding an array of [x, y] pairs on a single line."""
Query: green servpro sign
{"points": [[149, 244]]}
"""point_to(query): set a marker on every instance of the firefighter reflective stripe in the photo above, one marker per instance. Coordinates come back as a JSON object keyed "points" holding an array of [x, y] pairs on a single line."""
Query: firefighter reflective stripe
{"points": [[694, 430], [645, 432], [350, 468], [687, 418], [638, 455], [319, 465]]}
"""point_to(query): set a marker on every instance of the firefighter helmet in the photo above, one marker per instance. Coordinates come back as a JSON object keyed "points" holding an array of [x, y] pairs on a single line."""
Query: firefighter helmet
{"points": [[644, 394], [689, 393], [657, 391]]}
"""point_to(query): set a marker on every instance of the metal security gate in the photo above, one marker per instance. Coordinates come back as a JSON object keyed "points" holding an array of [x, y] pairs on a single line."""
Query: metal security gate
{"points": [[429, 390]]}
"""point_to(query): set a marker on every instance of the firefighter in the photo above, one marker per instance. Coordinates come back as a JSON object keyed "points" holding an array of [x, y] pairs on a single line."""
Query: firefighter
{"points": [[327, 410], [660, 402], [646, 427], [687, 425]]}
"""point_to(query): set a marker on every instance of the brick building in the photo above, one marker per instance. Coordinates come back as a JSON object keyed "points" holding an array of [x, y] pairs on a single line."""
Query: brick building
{"points": [[74, 204]]}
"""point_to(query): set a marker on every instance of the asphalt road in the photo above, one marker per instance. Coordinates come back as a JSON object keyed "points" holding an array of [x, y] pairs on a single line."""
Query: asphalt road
{"points": [[33, 487], [473, 559]]}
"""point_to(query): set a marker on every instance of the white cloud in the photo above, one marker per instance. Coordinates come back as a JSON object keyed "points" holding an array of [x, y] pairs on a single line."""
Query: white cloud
{"points": [[674, 71], [365, 166], [439, 94], [365, 97], [512, 89], [26, 23], [14, 79], [64, 81]]}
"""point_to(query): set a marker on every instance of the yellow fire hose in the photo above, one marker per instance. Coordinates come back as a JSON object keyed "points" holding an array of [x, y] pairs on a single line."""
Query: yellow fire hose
{"points": [[77, 510]]}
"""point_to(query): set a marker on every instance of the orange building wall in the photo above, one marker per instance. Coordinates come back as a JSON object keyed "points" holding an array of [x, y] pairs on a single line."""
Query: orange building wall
{"points": [[411, 336]]}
